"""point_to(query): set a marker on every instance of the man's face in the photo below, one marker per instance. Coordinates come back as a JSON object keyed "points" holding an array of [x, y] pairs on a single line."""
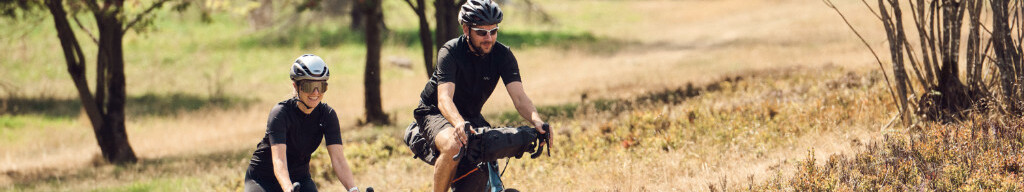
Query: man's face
{"points": [[483, 37]]}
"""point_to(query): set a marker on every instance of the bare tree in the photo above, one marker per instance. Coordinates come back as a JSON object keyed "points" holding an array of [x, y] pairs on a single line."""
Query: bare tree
{"points": [[105, 107], [425, 40], [935, 63]]}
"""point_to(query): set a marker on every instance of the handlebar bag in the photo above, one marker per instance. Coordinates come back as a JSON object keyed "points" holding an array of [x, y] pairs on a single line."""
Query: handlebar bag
{"points": [[490, 144]]}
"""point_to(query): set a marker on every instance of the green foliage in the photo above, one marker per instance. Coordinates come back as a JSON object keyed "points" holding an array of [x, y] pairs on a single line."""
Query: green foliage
{"points": [[14, 8]]}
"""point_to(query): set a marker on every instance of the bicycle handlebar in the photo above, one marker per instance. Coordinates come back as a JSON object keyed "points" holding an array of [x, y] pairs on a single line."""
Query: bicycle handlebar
{"points": [[542, 138]]}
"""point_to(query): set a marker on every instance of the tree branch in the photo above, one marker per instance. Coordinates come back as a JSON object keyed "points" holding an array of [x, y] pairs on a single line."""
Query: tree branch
{"points": [[87, 32], [92, 6], [414, 8], [138, 17], [862, 40], [865, 5]]}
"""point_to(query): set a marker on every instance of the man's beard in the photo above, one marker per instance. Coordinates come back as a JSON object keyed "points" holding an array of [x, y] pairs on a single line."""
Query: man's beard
{"points": [[480, 49]]}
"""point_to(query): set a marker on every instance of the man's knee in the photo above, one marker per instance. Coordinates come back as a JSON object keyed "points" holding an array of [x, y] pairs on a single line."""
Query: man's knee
{"points": [[446, 143]]}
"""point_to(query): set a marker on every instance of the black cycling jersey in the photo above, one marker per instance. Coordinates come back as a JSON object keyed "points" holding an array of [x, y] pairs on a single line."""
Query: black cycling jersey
{"points": [[301, 134], [474, 76]]}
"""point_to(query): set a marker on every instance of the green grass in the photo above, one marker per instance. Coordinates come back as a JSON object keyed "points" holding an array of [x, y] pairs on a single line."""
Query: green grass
{"points": [[159, 184], [149, 104], [13, 128]]}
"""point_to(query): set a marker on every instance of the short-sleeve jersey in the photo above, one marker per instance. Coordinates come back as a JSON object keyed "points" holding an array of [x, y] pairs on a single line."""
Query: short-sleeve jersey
{"points": [[300, 132], [474, 76]]}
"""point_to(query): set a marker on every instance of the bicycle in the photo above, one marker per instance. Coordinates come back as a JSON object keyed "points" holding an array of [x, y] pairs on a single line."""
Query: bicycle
{"points": [[494, 183]]}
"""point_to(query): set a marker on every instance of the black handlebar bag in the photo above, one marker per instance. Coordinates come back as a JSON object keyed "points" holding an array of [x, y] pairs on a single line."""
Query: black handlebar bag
{"points": [[490, 144]]}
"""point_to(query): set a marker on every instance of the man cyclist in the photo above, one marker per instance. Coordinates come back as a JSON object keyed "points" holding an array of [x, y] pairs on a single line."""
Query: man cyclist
{"points": [[468, 68], [294, 130]]}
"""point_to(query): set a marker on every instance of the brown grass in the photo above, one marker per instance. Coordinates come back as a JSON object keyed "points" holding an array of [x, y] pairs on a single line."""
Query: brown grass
{"points": [[977, 154]]}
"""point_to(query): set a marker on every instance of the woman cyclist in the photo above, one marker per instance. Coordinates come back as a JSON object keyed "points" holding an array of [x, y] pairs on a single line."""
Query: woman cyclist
{"points": [[294, 130]]}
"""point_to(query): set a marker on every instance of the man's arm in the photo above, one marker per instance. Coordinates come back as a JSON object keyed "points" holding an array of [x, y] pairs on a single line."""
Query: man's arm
{"points": [[524, 105], [280, 161], [445, 93], [340, 164]]}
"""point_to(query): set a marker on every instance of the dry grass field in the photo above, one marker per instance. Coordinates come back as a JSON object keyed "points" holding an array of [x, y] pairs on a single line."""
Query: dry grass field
{"points": [[776, 79]]}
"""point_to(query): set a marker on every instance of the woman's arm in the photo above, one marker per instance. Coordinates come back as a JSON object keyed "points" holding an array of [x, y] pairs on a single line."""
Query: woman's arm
{"points": [[277, 153], [340, 164]]}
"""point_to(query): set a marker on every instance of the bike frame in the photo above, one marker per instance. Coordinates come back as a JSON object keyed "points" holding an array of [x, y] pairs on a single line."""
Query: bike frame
{"points": [[494, 183]]}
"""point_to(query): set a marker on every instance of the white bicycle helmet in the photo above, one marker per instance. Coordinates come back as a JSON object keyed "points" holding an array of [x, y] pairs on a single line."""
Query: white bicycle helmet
{"points": [[309, 67]]}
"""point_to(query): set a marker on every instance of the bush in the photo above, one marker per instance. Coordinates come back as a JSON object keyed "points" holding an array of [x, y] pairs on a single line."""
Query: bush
{"points": [[979, 154]]}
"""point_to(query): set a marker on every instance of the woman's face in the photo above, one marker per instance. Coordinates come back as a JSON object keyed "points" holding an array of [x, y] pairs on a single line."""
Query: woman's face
{"points": [[311, 92]]}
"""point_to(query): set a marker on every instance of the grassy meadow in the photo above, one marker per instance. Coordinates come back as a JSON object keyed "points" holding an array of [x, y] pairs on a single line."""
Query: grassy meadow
{"points": [[643, 95]]}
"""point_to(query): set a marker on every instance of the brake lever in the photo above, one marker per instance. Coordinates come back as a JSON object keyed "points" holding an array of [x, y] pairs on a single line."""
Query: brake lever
{"points": [[542, 139], [462, 150]]}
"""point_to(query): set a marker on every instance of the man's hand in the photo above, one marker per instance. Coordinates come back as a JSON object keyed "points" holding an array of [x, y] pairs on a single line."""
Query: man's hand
{"points": [[540, 128], [460, 131]]}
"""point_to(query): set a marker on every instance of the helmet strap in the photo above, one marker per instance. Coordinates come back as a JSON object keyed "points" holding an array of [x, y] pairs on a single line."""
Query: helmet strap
{"points": [[304, 103]]}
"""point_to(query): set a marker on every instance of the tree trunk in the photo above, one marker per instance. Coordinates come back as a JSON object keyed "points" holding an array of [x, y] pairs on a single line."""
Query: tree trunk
{"points": [[105, 114], [1008, 58], [447, 19], [112, 137], [425, 41], [74, 59], [894, 34], [357, 15], [371, 78]]}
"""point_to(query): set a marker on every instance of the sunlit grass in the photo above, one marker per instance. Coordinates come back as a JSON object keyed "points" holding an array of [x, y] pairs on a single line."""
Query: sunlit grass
{"points": [[977, 154]]}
